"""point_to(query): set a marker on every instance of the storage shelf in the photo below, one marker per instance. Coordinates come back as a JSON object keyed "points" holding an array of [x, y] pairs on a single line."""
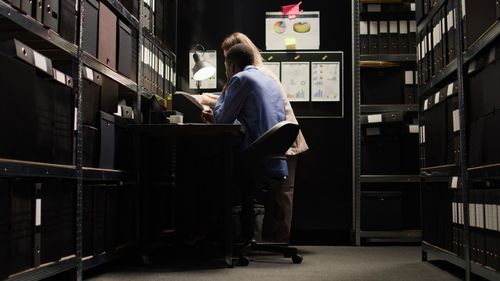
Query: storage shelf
{"points": [[10, 167], [413, 234], [95, 64], [123, 12], [439, 79], [377, 108], [37, 28], [491, 171], [388, 58], [430, 15], [440, 171], [96, 174], [389, 178], [44, 271], [93, 261], [484, 272], [443, 254], [147, 34], [484, 41]]}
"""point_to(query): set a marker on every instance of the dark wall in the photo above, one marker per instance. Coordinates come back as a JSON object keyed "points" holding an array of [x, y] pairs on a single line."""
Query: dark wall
{"points": [[323, 193]]}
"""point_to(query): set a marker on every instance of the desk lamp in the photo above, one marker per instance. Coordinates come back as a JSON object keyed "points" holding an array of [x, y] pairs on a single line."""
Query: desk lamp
{"points": [[202, 69]]}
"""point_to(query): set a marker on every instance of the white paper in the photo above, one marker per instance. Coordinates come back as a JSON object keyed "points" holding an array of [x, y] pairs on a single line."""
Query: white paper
{"points": [[461, 213], [373, 27], [209, 56], [412, 7], [403, 27], [89, 73], [38, 212], [59, 76], [456, 121], [75, 113], [374, 8], [363, 28], [426, 104], [274, 67], [480, 215], [161, 68], [472, 215], [450, 90], [375, 118], [436, 98], [454, 211], [487, 216], [393, 26], [147, 56], [413, 129], [303, 30], [413, 26], [295, 80], [409, 77], [40, 61], [454, 182], [422, 134], [496, 217], [383, 27], [325, 78], [450, 20]]}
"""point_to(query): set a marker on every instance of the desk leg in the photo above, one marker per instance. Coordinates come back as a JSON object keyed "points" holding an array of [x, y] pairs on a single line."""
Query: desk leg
{"points": [[228, 199]]}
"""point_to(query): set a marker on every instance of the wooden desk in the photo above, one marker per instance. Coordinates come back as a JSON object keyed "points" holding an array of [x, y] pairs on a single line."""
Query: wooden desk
{"points": [[197, 133]]}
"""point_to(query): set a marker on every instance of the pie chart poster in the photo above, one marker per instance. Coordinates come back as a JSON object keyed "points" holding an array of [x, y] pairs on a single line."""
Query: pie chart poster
{"points": [[300, 33]]}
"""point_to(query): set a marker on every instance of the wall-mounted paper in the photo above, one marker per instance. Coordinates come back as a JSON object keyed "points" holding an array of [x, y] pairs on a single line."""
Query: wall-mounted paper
{"points": [[325, 79], [304, 29], [274, 67], [210, 57], [295, 80]]}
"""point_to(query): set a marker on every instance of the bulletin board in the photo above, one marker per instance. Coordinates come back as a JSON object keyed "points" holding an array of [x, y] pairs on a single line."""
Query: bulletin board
{"points": [[313, 81]]}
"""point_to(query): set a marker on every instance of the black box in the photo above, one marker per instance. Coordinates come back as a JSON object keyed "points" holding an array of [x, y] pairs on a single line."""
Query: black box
{"points": [[107, 36], [22, 215], [87, 217], [91, 144], [99, 219], [132, 6], [410, 87], [27, 7], [384, 37], [382, 210], [58, 219], [67, 20], [403, 37], [479, 16], [109, 95], [91, 98], [436, 140], [373, 37], [363, 37], [381, 86], [63, 131], [4, 228], [125, 49], [51, 14], [393, 37], [381, 155], [107, 147], [90, 27]]}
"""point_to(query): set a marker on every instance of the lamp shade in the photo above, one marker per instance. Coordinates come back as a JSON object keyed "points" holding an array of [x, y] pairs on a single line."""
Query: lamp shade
{"points": [[202, 69]]}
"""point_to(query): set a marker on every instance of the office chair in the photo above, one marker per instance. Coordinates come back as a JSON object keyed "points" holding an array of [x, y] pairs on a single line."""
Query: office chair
{"points": [[272, 145]]}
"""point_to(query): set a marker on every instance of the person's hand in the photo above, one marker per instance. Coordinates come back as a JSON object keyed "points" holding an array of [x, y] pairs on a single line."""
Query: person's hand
{"points": [[208, 99], [207, 115]]}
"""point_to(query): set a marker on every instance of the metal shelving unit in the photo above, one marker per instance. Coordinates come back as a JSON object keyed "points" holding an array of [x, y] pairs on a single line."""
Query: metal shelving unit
{"points": [[46, 39], [465, 173], [362, 181]]}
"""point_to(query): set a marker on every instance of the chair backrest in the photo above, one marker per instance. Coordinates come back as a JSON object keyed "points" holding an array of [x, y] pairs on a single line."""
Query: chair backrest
{"points": [[273, 143]]}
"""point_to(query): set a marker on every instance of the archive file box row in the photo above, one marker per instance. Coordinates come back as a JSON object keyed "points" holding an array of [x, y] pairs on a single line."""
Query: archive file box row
{"points": [[393, 85], [387, 37], [158, 73]]}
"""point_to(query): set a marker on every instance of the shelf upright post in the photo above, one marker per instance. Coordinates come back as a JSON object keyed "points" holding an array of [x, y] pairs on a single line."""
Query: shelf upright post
{"points": [[356, 138], [463, 132], [79, 140]]}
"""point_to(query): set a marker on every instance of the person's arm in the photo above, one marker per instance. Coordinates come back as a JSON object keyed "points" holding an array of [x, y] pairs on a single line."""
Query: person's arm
{"points": [[230, 102], [208, 99]]}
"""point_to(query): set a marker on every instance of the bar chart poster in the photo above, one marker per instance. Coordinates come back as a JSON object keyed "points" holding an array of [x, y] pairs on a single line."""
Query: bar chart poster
{"points": [[325, 81], [295, 80]]}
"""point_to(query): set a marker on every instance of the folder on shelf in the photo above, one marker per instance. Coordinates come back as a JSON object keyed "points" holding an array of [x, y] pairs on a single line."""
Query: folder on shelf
{"points": [[403, 37], [125, 49], [393, 37], [373, 37], [412, 42], [363, 37], [384, 37], [90, 27], [409, 88], [450, 31], [107, 36], [51, 14], [26, 6], [419, 11], [91, 97]]}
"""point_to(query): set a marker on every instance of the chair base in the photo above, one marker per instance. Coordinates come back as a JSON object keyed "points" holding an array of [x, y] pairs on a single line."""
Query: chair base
{"points": [[285, 250]]}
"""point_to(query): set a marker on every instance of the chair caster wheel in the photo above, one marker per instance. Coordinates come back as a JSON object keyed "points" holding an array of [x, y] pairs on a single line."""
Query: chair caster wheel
{"points": [[230, 262], [297, 259], [243, 261]]}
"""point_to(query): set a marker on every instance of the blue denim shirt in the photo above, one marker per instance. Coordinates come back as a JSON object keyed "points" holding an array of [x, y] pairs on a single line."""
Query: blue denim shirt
{"points": [[255, 100]]}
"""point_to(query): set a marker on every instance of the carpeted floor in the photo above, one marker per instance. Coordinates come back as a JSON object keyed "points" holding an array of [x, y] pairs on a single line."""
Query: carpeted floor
{"points": [[321, 263]]}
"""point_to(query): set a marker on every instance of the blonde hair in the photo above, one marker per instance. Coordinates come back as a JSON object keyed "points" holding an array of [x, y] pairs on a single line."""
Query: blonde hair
{"points": [[240, 38]]}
